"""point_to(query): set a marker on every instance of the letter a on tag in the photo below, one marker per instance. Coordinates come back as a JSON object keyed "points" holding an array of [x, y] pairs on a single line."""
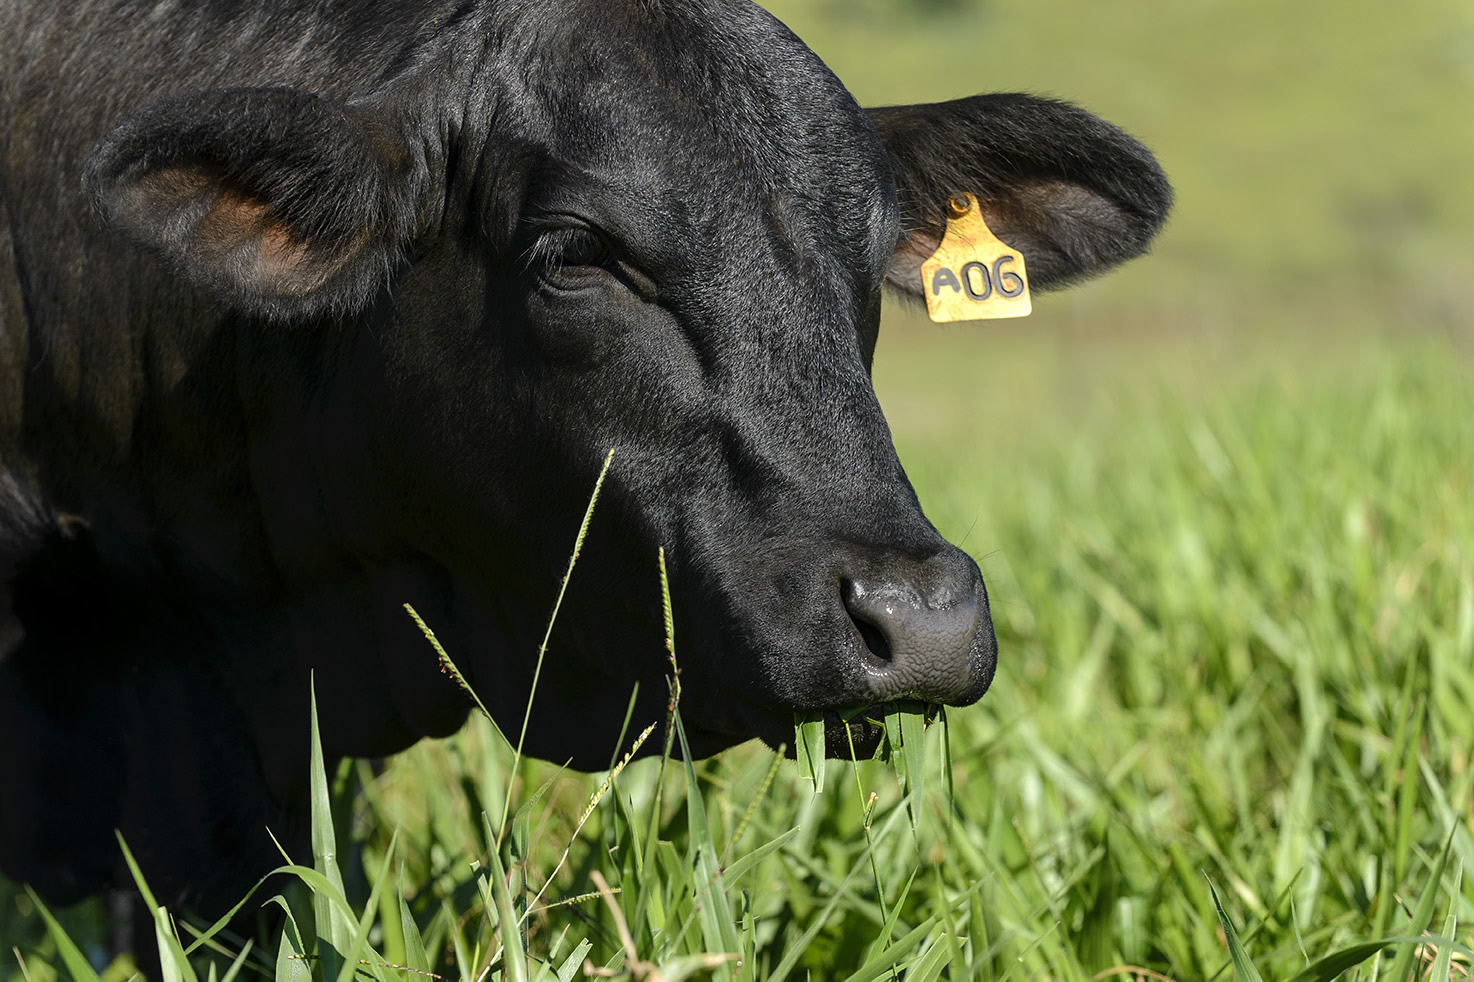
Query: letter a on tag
{"points": [[974, 275]]}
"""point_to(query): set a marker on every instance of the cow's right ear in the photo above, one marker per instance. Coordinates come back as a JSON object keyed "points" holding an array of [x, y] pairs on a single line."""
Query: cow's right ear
{"points": [[1070, 191], [286, 204]]}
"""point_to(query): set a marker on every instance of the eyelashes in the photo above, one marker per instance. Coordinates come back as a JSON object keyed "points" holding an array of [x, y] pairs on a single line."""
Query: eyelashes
{"points": [[570, 248], [568, 256]]}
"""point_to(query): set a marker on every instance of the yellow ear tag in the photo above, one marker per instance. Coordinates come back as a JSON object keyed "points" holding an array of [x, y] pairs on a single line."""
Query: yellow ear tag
{"points": [[974, 275]]}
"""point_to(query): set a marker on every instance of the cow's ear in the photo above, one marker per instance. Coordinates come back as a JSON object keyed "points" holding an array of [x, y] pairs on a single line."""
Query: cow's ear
{"points": [[286, 204], [1074, 194]]}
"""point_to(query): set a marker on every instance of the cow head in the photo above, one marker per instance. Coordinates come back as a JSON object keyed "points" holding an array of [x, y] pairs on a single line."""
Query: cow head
{"points": [[664, 233]]}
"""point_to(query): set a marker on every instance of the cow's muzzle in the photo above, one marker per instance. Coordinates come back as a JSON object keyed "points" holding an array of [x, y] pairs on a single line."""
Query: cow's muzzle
{"points": [[923, 633]]}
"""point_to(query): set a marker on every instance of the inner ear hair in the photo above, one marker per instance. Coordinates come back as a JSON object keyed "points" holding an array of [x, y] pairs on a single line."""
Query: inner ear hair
{"points": [[284, 203], [1068, 230], [914, 247], [1053, 223], [241, 228], [235, 236], [1066, 233]]}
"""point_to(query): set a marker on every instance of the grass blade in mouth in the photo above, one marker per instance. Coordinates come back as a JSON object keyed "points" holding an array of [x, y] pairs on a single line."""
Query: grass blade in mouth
{"points": [[809, 747]]}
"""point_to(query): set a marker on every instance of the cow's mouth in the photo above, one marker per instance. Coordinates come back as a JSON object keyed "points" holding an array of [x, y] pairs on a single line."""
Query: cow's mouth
{"points": [[860, 734]]}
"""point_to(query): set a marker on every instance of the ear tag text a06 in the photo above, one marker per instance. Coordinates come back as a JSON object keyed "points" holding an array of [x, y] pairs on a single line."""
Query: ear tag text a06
{"points": [[974, 275]]}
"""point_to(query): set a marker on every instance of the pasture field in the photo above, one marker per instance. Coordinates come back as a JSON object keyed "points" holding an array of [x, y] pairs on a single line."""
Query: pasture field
{"points": [[1222, 501]]}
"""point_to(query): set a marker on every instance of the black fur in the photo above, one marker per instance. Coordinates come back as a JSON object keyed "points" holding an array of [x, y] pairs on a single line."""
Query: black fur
{"points": [[363, 293]]}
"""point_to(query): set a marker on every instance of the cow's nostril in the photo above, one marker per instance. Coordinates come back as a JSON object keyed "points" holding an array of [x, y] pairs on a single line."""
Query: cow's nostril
{"points": [[874, 638], [869, 621]]}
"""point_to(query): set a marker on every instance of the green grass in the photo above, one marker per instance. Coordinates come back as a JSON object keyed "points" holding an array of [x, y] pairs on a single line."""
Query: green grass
{"points": [[1222, 502]]}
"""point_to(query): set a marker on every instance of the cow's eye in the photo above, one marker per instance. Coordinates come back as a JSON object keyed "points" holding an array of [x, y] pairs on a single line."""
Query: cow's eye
{"points": [[574, 247], [575, 256]]}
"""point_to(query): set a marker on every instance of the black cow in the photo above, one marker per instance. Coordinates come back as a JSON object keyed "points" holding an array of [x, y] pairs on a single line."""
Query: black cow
{"points": [[311, 309]]}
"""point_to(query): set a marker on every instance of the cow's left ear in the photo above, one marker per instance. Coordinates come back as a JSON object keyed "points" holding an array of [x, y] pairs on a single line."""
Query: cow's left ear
{"points": [[1070, 191], [285, 204]]}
